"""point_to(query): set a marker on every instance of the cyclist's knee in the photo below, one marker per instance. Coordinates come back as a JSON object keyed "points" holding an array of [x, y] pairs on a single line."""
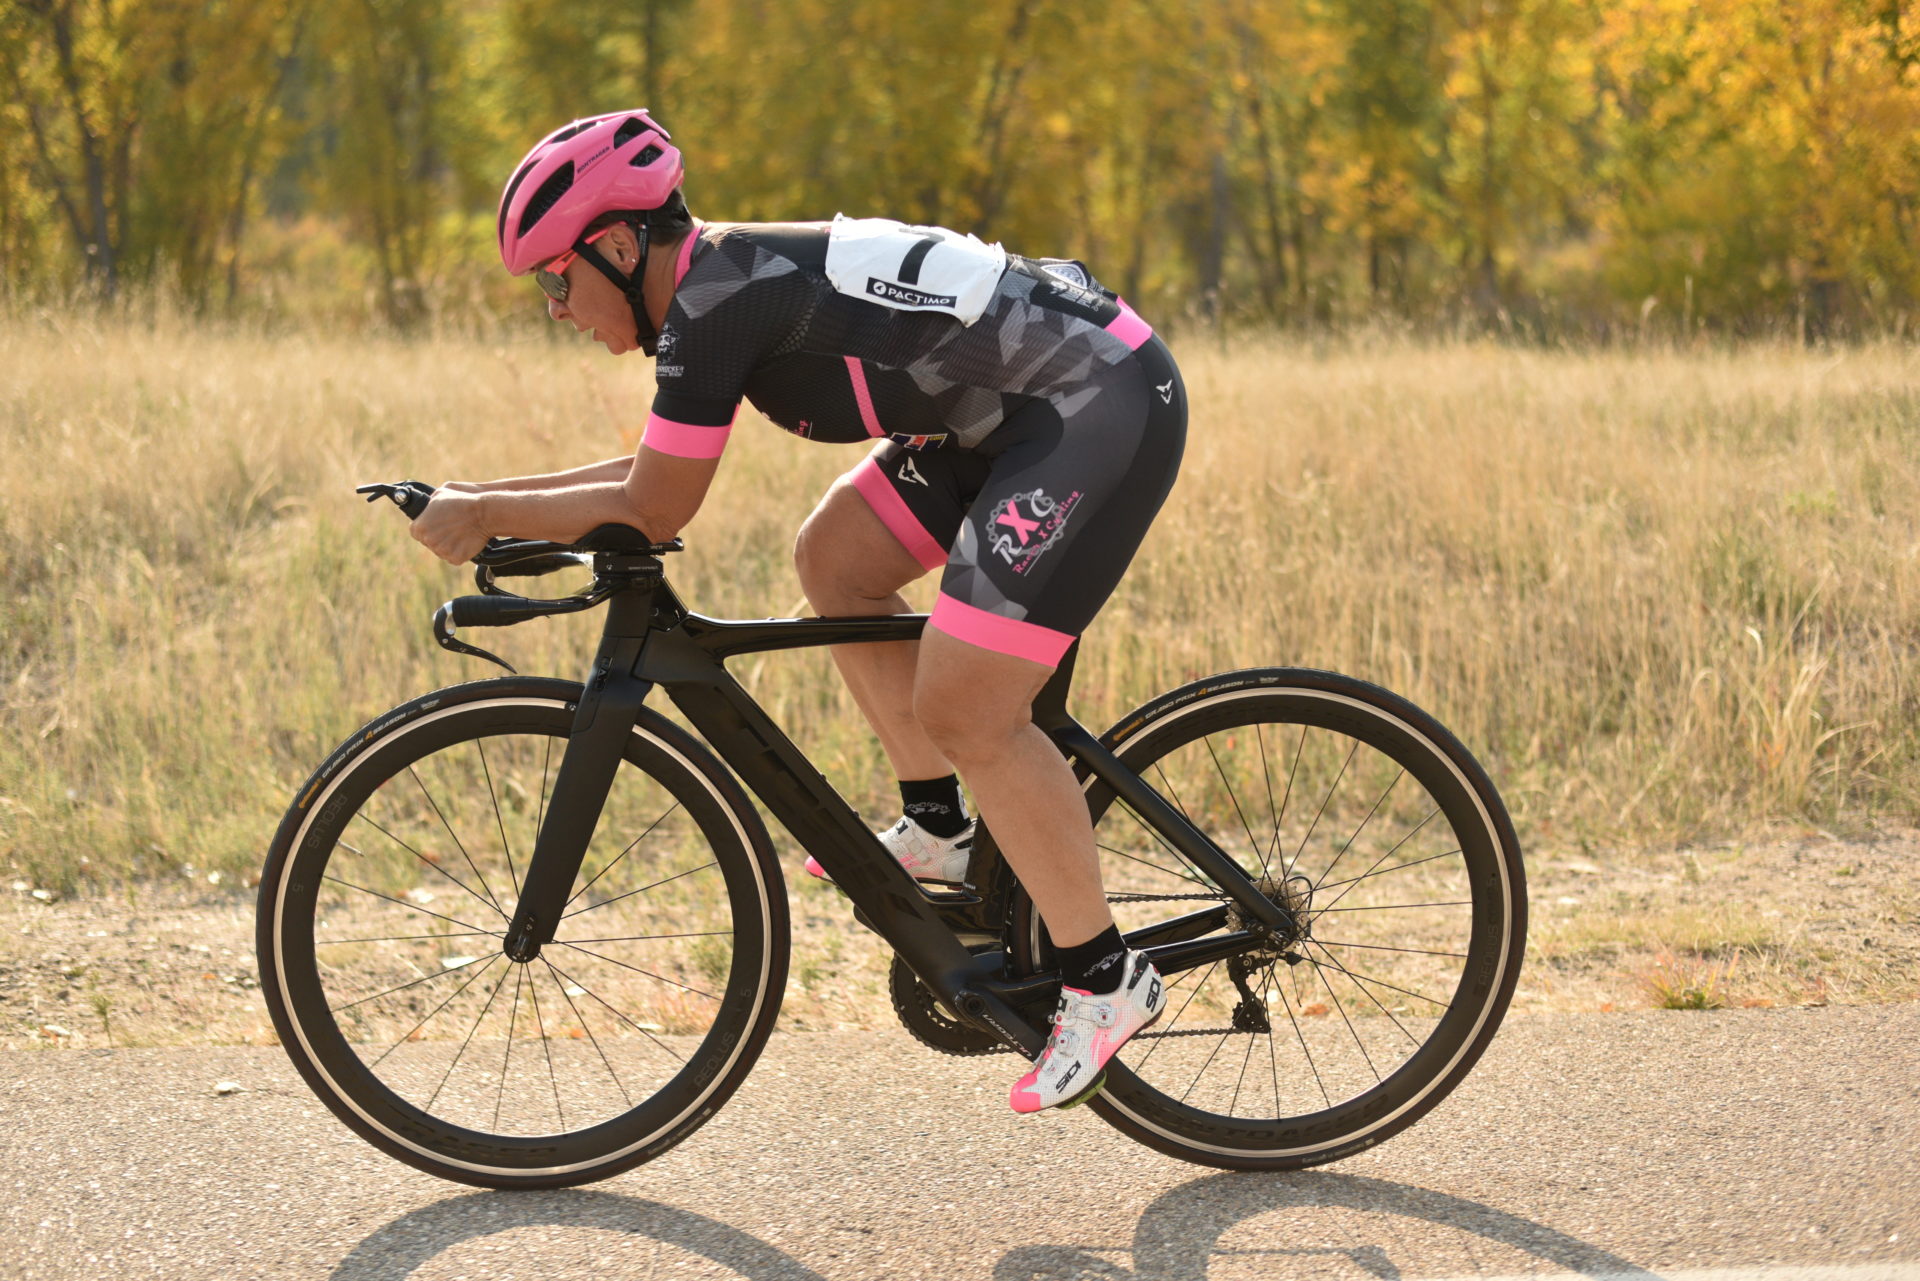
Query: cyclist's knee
{"points": [[969, 701]]}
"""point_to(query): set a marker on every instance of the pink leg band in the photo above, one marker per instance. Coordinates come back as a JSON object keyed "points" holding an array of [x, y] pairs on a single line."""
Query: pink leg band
{"points": [[863, 398], [1129, 328], [1013, 636], [897, 516]]}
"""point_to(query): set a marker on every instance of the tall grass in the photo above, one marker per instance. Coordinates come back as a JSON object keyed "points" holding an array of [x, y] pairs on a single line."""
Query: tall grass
{"points": [[1659, 593]]}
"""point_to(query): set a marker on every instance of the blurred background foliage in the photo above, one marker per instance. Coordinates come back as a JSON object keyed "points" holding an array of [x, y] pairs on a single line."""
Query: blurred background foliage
{"points": [[1545, 167]]}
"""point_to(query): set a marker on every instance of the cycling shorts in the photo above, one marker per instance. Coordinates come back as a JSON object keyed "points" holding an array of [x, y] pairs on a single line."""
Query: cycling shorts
{"points": [[1035, 525]]}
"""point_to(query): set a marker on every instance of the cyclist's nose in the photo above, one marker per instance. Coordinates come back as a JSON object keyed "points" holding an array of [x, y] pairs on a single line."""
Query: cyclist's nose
{"points": [[556, 310]]}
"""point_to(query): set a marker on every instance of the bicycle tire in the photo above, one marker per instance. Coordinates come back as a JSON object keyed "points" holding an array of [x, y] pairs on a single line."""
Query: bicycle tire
{"points": [[626, 1098], [1223, 711]]}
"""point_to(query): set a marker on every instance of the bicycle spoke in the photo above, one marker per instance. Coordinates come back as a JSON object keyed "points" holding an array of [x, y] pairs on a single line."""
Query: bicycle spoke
{"points": [[477, 896], [1150, 831], [1209, 1063], [1176, 796], [1266, 777], [1363, 826], [616, 1014], [427, 978], [1371, 997], [461, 1053], [637, 970], [406, 938], [642, 890], [540, 1026], [414, 907], [1392, 907], [1397, 867], [435, 1010], [638, 938], [1311, 827], [1234, 797], [499, 821], [622, 854], [1292, 773], [1161, 1035], [506, 1061], [1233, 1107], [1311, 1065], [1179, 876], [1368, 978], [1335, 1002], [457, 842], [540, 808], [1317, 885], [584, 1027], [1380, 947]]}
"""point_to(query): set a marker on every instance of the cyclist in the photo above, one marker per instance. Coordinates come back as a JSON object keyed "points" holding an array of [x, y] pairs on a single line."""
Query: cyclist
{"points": [[1028, 426]]}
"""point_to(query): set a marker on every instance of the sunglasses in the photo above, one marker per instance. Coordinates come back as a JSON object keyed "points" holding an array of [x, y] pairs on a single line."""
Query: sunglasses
{"points": [[552, 277]]}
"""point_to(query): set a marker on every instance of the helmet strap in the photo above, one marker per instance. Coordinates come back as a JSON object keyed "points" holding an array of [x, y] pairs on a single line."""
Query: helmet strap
{"points": [[629, 285]]}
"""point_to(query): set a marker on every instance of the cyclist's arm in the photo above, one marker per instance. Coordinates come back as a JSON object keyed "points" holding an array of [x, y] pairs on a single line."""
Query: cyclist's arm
{"points": [[658, 494], [591, 474]]}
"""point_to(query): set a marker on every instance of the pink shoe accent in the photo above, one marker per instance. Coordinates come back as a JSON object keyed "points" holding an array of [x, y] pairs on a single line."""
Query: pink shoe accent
{"points": [[814, 868], [1022, 1097]]}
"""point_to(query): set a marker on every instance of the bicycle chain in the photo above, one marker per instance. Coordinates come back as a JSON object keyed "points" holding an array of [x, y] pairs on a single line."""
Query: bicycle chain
{"points": [[1166, 898]]}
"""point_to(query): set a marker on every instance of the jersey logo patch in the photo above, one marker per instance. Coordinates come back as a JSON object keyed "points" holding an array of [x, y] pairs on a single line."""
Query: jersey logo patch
{"points": [[1166, 392], [909, 473], [665, 343]]}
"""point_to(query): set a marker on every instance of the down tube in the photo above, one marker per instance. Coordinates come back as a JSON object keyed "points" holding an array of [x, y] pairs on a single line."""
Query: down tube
{"points": [[808, 806]]}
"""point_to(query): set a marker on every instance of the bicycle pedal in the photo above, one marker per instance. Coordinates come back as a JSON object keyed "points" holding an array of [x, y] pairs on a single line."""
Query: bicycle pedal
{"points": [[1099, 1084]]}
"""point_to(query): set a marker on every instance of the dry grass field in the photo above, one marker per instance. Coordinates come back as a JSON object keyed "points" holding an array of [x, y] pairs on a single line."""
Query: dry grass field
{"points": [[1668, 597]]}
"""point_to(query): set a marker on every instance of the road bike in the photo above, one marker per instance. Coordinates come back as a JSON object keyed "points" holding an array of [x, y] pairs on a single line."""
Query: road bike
{"points": [[528, 932]]}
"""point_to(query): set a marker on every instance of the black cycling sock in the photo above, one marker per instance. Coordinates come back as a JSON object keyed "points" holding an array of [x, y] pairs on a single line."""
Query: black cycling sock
{"points": [[1098, 965], [934, 803]]}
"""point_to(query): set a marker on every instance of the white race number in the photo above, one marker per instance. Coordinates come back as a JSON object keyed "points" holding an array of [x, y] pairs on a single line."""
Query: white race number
{"points": [[913, 268]]}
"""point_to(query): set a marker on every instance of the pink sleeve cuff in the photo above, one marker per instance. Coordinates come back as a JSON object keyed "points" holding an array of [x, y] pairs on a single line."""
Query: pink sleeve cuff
{"points": [[685, 440]]}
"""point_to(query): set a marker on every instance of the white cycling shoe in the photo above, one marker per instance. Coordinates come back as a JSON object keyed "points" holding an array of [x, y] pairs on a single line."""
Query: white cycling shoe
{"points": [[925, 856], [1087, 1031]]}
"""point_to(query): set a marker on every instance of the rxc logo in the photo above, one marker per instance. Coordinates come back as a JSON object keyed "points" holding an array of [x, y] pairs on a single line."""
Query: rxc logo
{"points": [[907, 297], [1023, 527]]}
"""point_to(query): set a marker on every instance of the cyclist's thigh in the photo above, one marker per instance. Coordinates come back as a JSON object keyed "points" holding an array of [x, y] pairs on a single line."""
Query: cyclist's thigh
{"points": [[919, 496], [1074, 484]]}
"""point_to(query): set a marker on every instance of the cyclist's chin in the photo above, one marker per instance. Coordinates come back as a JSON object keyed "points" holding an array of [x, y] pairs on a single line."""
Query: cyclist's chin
{"points": [[617, 344]]}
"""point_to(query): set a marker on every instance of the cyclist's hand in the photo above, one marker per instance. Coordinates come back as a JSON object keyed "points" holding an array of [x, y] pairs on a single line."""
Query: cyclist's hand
{"points": [[450, 527]]}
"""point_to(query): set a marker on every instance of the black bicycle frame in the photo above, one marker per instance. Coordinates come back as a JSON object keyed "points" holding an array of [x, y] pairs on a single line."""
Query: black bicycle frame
{"points": [[651, 639]]}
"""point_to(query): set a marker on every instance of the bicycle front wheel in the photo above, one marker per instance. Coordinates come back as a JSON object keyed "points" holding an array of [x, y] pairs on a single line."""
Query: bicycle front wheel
{"points": [[1390, 845], [383, 911]]}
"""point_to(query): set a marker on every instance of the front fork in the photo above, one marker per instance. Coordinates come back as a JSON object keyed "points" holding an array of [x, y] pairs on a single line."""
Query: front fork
{"points": [[602, 722]]}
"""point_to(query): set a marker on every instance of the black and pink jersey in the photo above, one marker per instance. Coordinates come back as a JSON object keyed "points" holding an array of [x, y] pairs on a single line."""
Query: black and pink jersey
{"points": [[865, 329]]}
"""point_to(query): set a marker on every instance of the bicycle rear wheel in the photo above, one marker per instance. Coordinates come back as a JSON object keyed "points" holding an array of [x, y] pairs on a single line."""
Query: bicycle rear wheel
{"points": [[1389, 842], [383, 910]]}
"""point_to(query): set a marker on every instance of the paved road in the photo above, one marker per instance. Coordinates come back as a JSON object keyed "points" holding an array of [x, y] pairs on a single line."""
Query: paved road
{"points": [[1709, 1147]]}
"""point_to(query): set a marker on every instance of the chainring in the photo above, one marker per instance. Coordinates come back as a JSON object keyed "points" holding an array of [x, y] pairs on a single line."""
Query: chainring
{"points": [[932, 1026]]}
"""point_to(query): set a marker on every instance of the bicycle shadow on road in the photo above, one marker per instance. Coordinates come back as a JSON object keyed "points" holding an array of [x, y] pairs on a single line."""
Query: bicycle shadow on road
{"points": [[1178, 1236], [397, 1249]]}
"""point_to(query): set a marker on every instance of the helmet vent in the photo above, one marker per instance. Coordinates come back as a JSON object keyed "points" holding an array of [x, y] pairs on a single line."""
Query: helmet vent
{"points": [[648, 154], [547, 196], [630, 128]]}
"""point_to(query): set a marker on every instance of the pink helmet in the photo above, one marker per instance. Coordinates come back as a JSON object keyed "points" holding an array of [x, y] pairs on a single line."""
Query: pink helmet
{"points": [[576, 173]]}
